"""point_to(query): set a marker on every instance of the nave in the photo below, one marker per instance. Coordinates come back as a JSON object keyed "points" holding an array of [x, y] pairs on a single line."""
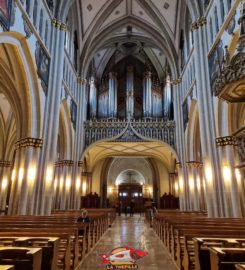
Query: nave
{"points": [[136, 233]]}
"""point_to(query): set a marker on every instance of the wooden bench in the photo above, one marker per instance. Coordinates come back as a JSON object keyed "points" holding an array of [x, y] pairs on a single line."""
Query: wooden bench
{"points": [[177, 230], [202, 245], [49, 248], [6, 267], [240, 266], [226, 258], [21, 258]]}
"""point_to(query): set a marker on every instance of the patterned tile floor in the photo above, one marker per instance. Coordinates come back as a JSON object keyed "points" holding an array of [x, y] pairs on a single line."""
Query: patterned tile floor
{"points": [[133, 232]]}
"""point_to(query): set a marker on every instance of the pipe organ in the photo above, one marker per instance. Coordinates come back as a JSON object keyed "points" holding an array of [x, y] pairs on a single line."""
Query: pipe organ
{"points": [[142, 96]]}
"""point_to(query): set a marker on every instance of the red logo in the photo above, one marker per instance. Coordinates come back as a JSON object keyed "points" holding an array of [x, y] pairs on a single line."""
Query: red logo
{"points": [[122, 258]]}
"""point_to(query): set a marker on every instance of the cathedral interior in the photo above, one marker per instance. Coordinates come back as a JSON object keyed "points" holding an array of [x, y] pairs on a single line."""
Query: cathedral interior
{"points": [[133, 110]]}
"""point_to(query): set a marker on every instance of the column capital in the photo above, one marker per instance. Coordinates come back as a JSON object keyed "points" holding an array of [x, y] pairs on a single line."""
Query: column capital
{"points": [[194, 164], [81, 81], [178, 165], [112, 75], [130, 68], [29, 142], [225, 141], [59, 24], [176, 81], [198, 23], [6, 164], [63, 163], [147, 75]]}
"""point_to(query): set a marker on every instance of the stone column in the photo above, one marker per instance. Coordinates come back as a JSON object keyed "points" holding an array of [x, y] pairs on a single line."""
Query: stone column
{"points": [[24, 177], [195, 187], [112, 110], [166, 98], [92, 98], [180, 146], [147, 95], [78, 144], [214, 186], [51, 121], [5, 182], [130, 93], [63, 184], [232, 192]]}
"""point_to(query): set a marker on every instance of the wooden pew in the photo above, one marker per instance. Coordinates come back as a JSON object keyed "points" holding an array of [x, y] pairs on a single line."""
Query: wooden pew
{"points": [[6, 267], [21, 258], [226, 258], [177, 230], [240, 266], [49, 248], [202, 245]]}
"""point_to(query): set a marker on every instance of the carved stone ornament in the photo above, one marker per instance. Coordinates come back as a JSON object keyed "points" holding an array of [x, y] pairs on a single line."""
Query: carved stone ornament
{"points": [[230, 81], [128, 131]]}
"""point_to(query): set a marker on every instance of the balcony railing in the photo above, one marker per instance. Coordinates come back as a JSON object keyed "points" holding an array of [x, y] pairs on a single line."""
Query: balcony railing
{"points": [[130, 131]]}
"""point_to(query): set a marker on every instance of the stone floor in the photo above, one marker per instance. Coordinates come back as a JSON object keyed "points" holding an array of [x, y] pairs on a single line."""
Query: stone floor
{"points": [[133, 232]]}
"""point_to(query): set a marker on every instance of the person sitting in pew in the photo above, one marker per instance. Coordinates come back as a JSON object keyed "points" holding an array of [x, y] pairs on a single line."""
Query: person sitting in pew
{"points": [[84, 218]]}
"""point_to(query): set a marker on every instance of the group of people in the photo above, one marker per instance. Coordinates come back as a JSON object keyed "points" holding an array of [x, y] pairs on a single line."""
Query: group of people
{"points": [[128, 208]]}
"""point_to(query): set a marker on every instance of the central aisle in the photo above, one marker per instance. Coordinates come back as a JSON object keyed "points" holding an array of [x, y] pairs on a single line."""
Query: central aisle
{"points": [[133, 232]]}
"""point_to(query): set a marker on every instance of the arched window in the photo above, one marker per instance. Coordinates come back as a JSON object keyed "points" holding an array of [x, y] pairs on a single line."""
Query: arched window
{"points": [[35, 13], [41, 23]]}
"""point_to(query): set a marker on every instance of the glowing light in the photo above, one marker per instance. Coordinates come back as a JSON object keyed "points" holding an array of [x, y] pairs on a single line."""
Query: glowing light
{"points": [[176, 187], [191, 183], [227, 174], [68, 183], [78, 183], [198, 183], [55, 183], [84, 187], [49, 175], [238, 176], [110, 190], [61, 182], [150, 190], [13, 175], [31, 175], [209, 174], [21, 174], [181, 183], [4, 184]]}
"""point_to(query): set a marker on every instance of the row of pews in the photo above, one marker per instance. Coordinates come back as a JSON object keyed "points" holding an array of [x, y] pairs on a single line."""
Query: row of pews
{"points": [[50, 242], [196, 242]]}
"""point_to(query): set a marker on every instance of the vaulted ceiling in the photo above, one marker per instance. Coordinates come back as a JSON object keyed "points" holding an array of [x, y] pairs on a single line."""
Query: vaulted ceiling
{"points": [[104, 24]]}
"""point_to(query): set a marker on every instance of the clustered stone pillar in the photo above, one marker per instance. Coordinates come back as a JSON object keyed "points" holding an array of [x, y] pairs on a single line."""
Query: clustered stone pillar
{"points": [[51, 121], [167, 98], [232, 188], [112, 95], [130, 92], [92, 98], [216, 202], [180, 145], [195, 186], [5, 178], [147, 94], [78, 144], [63, 184], [24, 177]]}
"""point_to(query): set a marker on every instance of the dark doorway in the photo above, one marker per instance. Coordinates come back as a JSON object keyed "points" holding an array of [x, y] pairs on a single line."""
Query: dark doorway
{"points": [[129, 192]]}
